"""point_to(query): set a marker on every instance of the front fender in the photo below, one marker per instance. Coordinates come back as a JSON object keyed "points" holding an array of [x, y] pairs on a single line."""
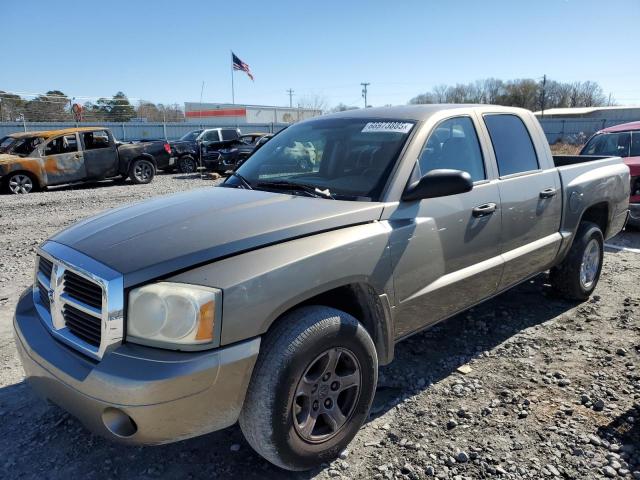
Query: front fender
{"points": [[259, 286], [26, 164]]}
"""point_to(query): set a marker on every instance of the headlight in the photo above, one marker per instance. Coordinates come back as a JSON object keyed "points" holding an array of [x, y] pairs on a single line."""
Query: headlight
{"points": [[173, 315]]}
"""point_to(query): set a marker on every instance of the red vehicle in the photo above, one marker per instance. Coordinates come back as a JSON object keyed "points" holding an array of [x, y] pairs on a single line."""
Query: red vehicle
{"points": [[622, 141]]}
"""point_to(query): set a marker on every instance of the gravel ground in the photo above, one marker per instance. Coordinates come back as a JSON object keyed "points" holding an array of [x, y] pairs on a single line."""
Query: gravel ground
{"points": [[547, 388]]}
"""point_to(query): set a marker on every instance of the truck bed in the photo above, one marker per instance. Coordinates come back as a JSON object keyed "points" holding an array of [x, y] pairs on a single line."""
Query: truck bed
{"points": [[593, 180], [564, 160]]}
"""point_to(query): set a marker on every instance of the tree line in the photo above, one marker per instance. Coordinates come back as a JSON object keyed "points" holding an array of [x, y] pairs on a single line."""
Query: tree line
{"points": [[55, 105], [525, 93]]}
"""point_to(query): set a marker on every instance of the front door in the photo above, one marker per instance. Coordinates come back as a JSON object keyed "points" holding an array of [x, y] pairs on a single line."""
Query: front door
{"points": [[100, 154], [63, 161], [446, 250], [531, 199]]}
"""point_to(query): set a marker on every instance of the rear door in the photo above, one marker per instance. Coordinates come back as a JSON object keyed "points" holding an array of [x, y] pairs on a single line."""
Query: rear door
{"points": [[100, 154], [446, 250], [211, 142], [531, 199], [63, 160]]}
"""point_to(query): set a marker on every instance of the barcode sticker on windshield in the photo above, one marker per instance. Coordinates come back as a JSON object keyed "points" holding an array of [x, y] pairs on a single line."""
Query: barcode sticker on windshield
{"points": [[397, 127]]}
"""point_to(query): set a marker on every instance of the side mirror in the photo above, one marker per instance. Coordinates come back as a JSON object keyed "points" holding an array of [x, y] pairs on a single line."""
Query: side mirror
{"points": [[438, 183]]}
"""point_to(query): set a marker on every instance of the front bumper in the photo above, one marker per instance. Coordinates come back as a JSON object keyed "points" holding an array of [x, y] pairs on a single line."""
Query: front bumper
{"points": [[634, 215], [136, 394]]}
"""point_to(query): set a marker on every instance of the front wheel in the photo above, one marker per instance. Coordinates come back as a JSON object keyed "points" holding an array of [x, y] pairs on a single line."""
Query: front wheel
{"points": [[142, 171], [20, 183], [311, 388], [578, 274]]}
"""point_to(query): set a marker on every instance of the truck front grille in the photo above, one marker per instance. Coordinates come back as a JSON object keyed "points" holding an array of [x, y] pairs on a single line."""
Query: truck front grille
{"points": [[45, 267], [83, 325], [79, 299], [82, 289], [44, 296]]}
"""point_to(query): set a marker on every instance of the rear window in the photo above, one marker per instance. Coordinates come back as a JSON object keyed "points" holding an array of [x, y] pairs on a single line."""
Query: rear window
{"points": [[95, 140], [615, 144], [511, 143], [229, 134]]}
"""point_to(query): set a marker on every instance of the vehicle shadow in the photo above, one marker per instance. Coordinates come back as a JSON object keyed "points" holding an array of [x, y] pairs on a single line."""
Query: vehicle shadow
{"points": [[625, 431], [421, 361], [196, 176]]}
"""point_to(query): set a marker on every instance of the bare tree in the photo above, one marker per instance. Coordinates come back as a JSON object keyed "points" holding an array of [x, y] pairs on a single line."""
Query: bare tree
{"points": [[315, 102]]}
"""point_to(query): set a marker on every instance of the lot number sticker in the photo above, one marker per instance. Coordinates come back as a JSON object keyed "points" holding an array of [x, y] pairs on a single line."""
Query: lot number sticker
{"points": [[397, 127]]}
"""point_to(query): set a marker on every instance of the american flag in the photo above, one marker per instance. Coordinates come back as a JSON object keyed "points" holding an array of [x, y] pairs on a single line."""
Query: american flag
{"points": [[240, 65]]}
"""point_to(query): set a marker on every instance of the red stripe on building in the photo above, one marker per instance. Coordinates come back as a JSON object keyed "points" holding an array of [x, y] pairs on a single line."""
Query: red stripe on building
{"points": [[218, 112]]}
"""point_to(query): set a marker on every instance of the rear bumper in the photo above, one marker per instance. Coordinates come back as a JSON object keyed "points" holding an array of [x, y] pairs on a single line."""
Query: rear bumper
{"points": [[136, 394]]}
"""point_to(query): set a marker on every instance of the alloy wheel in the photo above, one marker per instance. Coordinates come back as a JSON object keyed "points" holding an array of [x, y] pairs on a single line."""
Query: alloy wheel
{"points": [[143, 171], [326, 395], [590, 264], [20, 183]]}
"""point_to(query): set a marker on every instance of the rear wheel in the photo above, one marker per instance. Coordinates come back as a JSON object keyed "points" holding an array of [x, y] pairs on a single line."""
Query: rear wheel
{"points": [[187, 164], [311, 388], [20, 183], [578, 274], [142, 171]]}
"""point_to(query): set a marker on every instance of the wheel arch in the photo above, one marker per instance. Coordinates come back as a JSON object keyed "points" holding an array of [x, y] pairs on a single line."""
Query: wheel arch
{"points": [[37, 183], [598, 213], [360, 300]]}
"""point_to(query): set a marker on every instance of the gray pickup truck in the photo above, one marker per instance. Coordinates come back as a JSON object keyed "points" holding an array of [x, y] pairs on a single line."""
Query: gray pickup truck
{"points": [[272, 299]]}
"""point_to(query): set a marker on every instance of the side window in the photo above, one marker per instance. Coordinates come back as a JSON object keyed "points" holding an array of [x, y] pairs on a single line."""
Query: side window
{"points": [[211, 136], [454, 144], [95, 140], [229, 134], [511, 143], [60, 145]]}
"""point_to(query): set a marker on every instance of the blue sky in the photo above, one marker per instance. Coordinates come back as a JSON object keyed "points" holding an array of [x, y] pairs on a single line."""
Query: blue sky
{"points": [[163, 50]]}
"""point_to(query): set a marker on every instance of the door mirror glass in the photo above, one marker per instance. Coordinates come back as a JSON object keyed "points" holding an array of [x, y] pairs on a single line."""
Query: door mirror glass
{"points": [[439, 183]]}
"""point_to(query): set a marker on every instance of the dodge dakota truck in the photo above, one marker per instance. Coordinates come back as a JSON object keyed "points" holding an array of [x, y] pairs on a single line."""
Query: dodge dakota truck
{"points": [[272, 299], [33, 160]]}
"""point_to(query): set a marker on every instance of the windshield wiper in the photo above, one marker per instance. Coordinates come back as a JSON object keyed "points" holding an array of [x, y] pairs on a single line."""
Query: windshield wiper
{"points": [[243, 181], [310, 190]]}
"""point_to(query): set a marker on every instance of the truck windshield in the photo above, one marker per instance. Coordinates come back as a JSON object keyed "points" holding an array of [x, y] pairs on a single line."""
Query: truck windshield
{"points": [[19, 146], [341, 158], [191, 136], [616, 144]]}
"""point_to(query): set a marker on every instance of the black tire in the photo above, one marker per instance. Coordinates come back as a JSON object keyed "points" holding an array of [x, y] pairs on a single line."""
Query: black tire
{"points": [[142, 171], [293, 349], [20, 183], [568, 278], [187, 164]]}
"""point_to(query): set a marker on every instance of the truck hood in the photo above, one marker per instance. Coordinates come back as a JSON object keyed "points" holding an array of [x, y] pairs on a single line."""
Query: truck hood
{"points": [[6, 158], [158, 237]]}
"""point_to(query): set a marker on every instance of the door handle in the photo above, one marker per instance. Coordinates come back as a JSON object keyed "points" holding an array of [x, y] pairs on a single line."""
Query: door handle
{"points": [[484, 210], [548, 193]]}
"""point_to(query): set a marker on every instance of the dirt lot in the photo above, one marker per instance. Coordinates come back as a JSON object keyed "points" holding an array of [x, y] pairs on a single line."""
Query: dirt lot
{"points": [[553, 388]]}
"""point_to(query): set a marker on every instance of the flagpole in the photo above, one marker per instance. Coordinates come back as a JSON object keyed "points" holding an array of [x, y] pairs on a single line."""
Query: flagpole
{"points": [[233, 94]]}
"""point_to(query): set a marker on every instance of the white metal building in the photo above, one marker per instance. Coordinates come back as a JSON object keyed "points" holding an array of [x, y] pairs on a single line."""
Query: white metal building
{"points": [[225, 114], [624, 114]]}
